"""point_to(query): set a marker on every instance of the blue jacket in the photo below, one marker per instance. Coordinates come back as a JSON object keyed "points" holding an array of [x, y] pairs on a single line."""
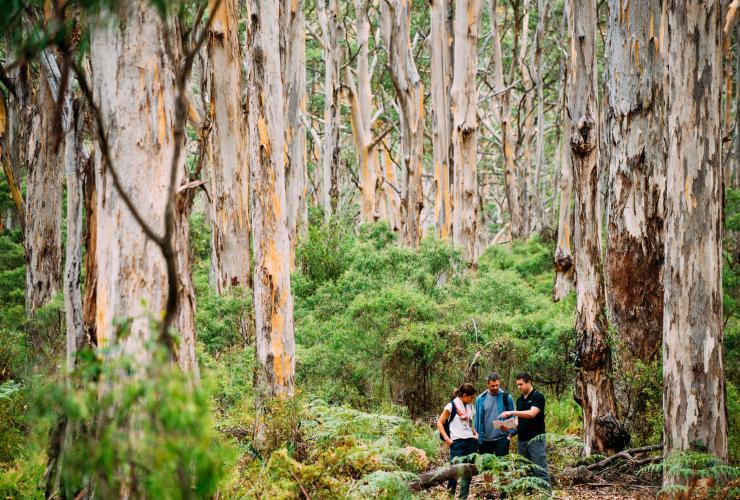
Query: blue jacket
{"points": [[480, 409]]}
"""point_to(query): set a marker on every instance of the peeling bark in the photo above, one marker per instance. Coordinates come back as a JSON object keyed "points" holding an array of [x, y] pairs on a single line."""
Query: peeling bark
{"points": [[694, 384], [396, 25], [293, 53], [511, 181], [563, 256], [634, 266], [466, 202], [43, 209], [441, 80], [133, 85], [227, 147], [361, 111], [273, 301], [594, 388]]}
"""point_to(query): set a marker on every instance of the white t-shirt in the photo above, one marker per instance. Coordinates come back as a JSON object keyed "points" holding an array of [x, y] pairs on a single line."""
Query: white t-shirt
{"points": [[460, 427]]}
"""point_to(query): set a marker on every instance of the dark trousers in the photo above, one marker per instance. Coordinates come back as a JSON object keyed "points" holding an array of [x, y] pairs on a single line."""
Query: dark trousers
{"points": [[461, 448], [498, 447], [534, 450]]}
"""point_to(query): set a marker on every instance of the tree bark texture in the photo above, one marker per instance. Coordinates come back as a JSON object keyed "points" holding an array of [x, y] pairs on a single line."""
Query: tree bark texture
{"points": [[293, 53], [511, 180], [328, 12], [693, 377], [361, 116], [563, 256], [273, 301], [396, 25], [133, 85], [466, 202], [636, 174], [228, 144], [43, 210], [594, 388], [441, 81]]}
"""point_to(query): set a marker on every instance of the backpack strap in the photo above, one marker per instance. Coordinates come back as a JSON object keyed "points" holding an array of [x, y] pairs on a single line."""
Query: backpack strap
{"points": [[507, 404], [453, 411]]}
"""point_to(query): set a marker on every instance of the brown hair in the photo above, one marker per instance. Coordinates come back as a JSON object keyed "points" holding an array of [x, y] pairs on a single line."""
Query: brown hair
{"points": [[465, 390]]}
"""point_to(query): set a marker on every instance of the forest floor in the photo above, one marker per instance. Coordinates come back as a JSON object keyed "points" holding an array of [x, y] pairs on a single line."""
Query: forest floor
{"points": [[480, 489]]}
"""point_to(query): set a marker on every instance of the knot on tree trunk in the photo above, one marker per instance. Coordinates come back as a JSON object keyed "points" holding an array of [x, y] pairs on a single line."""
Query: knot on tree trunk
{"points": [[611, 432], [563, 263], [583, 138], [592, 351]]}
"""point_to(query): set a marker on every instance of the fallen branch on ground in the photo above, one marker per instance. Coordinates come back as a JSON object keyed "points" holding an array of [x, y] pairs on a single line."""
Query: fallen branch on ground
{"points": [[584, 474], [443, 474]]}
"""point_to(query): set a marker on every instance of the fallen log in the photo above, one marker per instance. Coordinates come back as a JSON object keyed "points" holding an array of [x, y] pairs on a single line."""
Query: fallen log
{"points": [[584, 474], [443, 474]]}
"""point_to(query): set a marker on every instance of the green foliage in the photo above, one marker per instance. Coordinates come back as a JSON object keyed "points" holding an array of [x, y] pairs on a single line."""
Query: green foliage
{"points": [[513, 473], [12, 280], [146, 428], [696, 475]]}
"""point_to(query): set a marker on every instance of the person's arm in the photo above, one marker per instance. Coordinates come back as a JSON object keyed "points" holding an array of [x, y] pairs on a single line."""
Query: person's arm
{"points": [[441, 425], [531, 413], [513, 431]]}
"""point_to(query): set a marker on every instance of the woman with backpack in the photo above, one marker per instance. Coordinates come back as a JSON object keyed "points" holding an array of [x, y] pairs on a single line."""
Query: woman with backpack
{"points": [[456, 427]]}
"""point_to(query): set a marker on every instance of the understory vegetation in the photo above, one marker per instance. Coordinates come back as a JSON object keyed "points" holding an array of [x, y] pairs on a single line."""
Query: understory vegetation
{"points": [[384, 333]]}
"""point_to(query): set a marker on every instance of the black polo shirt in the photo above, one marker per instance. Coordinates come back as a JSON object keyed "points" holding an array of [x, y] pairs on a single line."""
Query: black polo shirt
{"points": [[531, 427]]}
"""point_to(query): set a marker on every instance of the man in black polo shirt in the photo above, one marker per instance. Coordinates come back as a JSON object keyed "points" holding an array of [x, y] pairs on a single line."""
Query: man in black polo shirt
{"points": [[530, 408]]}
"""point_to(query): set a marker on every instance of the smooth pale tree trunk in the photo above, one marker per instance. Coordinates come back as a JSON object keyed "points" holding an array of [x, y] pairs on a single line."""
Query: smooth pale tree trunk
{"points": [[594, 389], [441, 80], [466, 202], [133, 84], [538, 211], [227, 152], [361, 117], [395, 23], [634, 266], [526, 124], [273, 301], [43, 207], [329, 20], [694, 409], [511, 181], [293, 54], [391, 197], [563, 256]]}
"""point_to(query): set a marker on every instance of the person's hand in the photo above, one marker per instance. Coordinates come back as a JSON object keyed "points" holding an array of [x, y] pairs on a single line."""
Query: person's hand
{"points": [[508, 436], [506, 414], [448, 441]]}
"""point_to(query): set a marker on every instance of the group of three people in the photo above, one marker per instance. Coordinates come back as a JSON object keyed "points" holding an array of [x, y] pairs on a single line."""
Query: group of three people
{"points": [[478, 428]]}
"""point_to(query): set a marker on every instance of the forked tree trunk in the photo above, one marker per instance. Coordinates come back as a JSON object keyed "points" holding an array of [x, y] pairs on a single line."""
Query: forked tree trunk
{"points": [[228, 143], [133, 84], [441, 80], [594, 389], [634, 267], [511, 181], [329, 20], [466, 202], [273, 301], [293, 54], [43, 210], [694, 409], [396, 25], [361, 117]]}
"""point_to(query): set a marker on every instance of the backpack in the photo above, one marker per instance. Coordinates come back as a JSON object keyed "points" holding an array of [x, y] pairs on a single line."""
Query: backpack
{"points": [[447, 423]]}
